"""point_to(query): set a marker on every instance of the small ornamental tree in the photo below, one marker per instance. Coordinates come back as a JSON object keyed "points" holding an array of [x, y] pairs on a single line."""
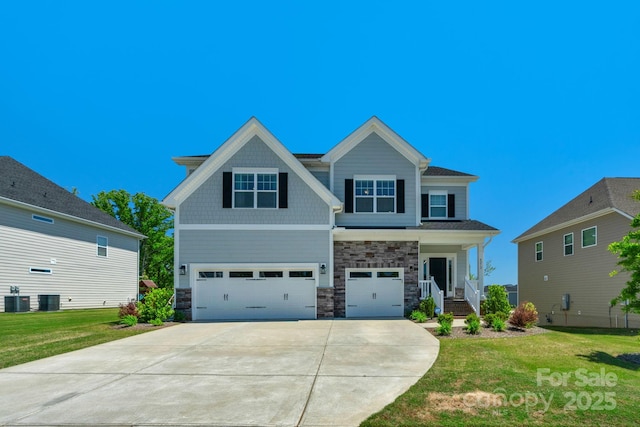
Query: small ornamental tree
{"points": [[497, 300], [628, 252]]}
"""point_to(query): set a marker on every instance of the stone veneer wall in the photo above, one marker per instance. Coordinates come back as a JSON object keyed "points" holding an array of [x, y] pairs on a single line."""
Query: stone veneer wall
{"points": [[325, 303], [369, 254], [183, 301]]}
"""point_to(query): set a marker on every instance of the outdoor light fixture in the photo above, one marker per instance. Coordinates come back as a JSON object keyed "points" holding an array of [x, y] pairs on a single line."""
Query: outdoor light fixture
{"points": [[183, 269], [323, 268]]}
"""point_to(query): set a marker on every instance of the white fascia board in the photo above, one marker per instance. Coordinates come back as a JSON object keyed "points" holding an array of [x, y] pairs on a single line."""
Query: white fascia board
{"points": [[453, 181], [72, 218], [449, 237], [230, 147], [571, 223], [376, 125], [273, 227]]}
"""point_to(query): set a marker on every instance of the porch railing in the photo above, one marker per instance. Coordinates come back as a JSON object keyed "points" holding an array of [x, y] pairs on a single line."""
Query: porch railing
{"points": [[430, 287], [472, 295]]}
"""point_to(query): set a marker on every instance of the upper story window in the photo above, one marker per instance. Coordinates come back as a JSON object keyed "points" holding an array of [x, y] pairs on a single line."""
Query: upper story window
{"points": [[538, 251], [255, 188], [589, 237], [438, 204], [568, 244], [102, 244], [375, 194]]}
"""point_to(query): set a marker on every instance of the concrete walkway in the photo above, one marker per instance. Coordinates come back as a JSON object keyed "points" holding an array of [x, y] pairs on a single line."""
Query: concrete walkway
{"points": [[307, 373]]}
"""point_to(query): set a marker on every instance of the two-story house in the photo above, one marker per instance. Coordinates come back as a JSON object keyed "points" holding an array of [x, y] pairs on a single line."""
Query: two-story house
{"points": [[363, 230]]}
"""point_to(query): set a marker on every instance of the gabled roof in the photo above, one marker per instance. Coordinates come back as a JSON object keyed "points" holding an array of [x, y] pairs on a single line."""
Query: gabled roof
{"points": [[376, 125], [438, 171], [605, 196], [230, 147], [22, 186]]}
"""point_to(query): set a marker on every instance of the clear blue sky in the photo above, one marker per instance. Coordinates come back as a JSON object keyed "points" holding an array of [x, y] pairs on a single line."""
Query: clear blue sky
{"points": [[539, 99]]}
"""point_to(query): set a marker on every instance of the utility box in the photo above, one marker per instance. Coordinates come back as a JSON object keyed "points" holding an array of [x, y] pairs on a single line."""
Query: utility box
{"points": [[48, 302], [566, 302], [17, 304]]}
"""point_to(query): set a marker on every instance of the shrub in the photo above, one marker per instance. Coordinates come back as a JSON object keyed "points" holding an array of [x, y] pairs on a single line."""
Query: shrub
{"points": [[129, 309], [156, 322], [178, 316], [428, 306], [472, 317], [497, 300], [491, 318], [129, 320], [156, 305], [499, 325], [473, 326], [444, 329], [418, 316], [445, 318], [525, 316]]}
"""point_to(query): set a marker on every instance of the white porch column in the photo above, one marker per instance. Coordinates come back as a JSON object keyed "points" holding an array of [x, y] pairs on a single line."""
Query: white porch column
{"points": [[480, 253]]}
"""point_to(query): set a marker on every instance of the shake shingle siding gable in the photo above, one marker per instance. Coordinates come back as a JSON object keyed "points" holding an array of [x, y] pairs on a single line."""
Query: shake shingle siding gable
{"points": [[21, 184]]}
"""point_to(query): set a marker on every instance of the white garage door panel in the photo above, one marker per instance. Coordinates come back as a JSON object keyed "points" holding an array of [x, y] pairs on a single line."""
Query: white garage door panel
{"points": [[221, 297], [374, 292]]}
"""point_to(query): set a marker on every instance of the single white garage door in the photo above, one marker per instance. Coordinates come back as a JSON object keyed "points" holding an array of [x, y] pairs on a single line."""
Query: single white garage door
{"points": [[374, 292], [254, 293]]}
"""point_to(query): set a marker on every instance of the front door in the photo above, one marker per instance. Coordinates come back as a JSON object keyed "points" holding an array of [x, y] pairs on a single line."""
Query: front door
{"points": [[438, 269]]}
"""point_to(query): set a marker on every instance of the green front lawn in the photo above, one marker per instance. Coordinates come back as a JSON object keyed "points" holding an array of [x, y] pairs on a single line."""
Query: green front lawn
{"points": [[568, 377], [30, 336]]}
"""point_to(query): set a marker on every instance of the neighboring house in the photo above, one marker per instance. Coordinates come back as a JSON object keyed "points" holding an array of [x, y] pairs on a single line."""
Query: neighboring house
{"points": [[54, 243], [356, 232], [564, 263]]}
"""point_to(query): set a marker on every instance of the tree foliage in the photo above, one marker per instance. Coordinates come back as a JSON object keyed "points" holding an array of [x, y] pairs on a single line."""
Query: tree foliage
{"points": [[147, 216], [628, 252], [497, 300]]}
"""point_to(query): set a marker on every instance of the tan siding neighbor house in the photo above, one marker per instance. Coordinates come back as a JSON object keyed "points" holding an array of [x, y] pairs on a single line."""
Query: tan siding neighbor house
{"points": [[564, 265]]}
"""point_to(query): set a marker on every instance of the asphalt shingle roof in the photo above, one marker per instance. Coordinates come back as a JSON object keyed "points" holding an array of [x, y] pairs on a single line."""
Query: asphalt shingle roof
{"points": [[438, 171], [19, 183], [465, 225], [607, 193]]}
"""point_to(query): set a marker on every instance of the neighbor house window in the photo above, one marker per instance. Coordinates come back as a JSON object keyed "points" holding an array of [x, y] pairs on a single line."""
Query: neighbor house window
{"points": [[102, 244], [255, 189], [568, 244], [589, 237], [37, 270], [538, 251], [42, 218], [376, 195], [438, 204]]}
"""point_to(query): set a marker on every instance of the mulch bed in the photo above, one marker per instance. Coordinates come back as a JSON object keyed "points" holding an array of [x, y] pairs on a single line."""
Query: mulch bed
{"points": [[510, 332], [143, 326]]}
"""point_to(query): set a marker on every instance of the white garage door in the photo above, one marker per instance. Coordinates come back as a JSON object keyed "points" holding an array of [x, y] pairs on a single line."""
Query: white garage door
{"points": [[254, 293], [375, 292]]}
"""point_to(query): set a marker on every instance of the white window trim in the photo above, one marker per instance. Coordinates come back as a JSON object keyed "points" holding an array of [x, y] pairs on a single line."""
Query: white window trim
{"points": [[375, 178], [255, 172], [98, 246], [446, 203], [42, 218], [564, 243], [40, 270], [535, 250], [595, 235]]}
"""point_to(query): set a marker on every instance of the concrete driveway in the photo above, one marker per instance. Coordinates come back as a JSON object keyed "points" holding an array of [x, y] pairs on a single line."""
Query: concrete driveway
{"points": [[306, 373]]}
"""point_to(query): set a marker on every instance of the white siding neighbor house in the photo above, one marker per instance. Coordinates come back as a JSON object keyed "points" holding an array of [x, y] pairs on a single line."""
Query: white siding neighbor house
{"points": [[364, 230], [54, 243]]}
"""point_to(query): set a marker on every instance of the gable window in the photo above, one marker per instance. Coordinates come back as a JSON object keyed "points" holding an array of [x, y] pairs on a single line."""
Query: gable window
{"points": [[255, 189], [568, 244], [538, 251], [102, 244], [438, 204], [589, 237], [377, 195]]}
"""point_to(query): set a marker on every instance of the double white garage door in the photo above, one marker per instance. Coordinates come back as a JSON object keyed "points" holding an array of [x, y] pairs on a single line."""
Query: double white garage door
{"points": [[271, 292]]}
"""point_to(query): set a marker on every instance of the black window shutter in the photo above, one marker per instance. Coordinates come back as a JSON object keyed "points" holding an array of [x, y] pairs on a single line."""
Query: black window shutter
{"points": [[227, 185], [348, 196], [451, 206], [400, 196], [425, 205], [283, 190]]}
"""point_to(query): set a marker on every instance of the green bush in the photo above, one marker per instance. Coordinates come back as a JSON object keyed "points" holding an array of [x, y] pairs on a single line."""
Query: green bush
{"points": [[445, 318], [472, 317], [492, 317], [156, 322], [179, 316], [156, 305], [524, 316], [499, 325], [497, 300], [428, 306], [473, 326], [444, 329], [418, 316], [129, 320]]}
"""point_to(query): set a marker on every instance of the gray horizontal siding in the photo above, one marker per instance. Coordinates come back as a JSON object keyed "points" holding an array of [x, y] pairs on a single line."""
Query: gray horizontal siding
{"points": [[374, 156], [323, 177], [460, 193], [80, 277], [259, 246], [204, 206]]}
